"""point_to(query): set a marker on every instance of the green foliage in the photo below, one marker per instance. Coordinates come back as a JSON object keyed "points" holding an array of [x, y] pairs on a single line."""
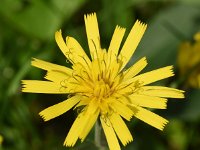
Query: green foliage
{"points": [[27, 30]]}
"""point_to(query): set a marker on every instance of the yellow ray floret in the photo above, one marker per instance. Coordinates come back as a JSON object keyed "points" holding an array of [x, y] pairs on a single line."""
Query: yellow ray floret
{"points": [[155, 75], [56, 76], [89, 125], [148, 101], [92, 106], [151, 118], [162, 92], [110, 134], [132, 42], [121, 129], [122, 109], [93, 36], [146, 78], [35, 86], [62, 45], [1, 140], [76, 129], [50, 67], [115, 43], [135, 69], [76, 52], [83, 102], [60, 108]]}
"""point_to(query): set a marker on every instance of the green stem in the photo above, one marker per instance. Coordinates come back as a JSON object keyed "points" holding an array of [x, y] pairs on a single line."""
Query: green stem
{"points": [[98, 136]]}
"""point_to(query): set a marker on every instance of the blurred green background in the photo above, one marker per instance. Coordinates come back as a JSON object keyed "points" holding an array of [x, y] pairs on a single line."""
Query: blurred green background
{"points": [[27, 30]]}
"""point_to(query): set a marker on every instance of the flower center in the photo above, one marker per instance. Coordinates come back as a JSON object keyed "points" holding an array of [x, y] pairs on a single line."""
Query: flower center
{"points": [[101, 90]]}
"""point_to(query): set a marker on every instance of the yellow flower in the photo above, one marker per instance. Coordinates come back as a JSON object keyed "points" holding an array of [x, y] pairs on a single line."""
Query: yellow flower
{"points": [[189, 61], [1, 140], [101, 87]]}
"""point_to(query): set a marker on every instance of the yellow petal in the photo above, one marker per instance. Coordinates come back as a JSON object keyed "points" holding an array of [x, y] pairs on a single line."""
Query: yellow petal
{"points": [[92, 107], [35, 86], [82, 124], [197, 37], [95, 69], [89, 125], [56, 76], [72, 50], [135, 69], [162, 92], [1, 140], [60, 108], [121, 109], [84, 101], [148, 101], [121, 129], [104, 107], [50, 66], [76, 129], [184, 54], [114, 70], [151, 118], [132, 42], [115, 43], [110, 134], [155, 75], [82, 74], [62, 45], [198, 81], [132, 85], [77, 52], [93, 37]]}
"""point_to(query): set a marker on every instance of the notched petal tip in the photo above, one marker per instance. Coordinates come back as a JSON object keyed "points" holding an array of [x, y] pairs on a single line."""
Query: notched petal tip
{"points": [[120, 28], [181, 94], [170, 68], [23, 84], [140, 22], [41, 114], [58, 33], [33, 59], [132, 41], [163, 125], [128, 141], [88, 15], [67, 144]]}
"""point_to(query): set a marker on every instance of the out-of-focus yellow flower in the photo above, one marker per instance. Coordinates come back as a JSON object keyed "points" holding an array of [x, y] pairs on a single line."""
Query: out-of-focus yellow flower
{"points": [[1, 139], [101, 87], [189, 61]]}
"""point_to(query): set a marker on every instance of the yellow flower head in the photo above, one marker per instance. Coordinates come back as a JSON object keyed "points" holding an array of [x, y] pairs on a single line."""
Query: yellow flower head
{"points": [[189, 61], [101, 87], [1, 140]]}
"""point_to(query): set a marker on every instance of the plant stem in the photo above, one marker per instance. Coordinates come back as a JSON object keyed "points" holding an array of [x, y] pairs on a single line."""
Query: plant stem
{"points": [[98, 136]]}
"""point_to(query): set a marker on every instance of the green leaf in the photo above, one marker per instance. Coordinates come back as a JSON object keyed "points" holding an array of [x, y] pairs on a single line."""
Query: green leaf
{"points": [[177, 134], [34, 19], [191, 111], [67, 7], [164, 34], [37, 18], [189, 1]]}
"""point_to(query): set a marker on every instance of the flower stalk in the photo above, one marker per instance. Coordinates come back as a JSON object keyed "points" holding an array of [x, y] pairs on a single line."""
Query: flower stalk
{"points": [[97, 136]]}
